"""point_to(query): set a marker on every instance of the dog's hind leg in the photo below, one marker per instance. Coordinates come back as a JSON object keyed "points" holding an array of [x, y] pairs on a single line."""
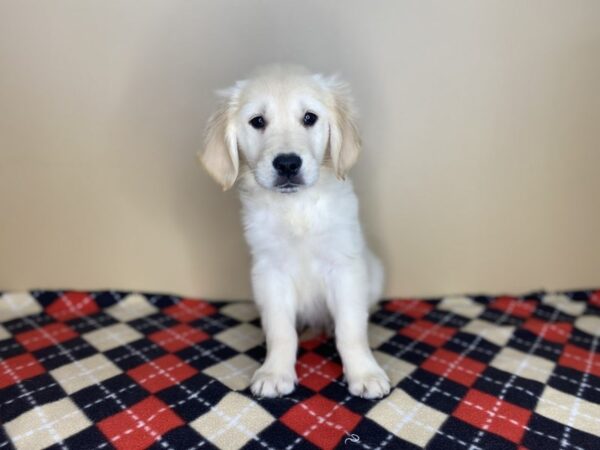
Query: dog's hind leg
{"points": [[376, 277]]}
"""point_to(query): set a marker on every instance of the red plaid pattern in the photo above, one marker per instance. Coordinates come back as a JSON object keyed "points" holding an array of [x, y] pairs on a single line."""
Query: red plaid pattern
{"points": [[595, 298], [580, 359], [188, 310], [71, 305], [19, 368], [316, 372], [320, 421], [411, 308], [514, 306], [141, 425], [178, 337], [489, 413], [161, 373], [428, 332], [45, 336], [558, 332], [102, 370], [462, 369]]}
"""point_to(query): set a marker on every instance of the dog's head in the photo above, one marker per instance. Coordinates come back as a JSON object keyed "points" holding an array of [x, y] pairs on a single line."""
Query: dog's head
{"points": [[285, 124]]}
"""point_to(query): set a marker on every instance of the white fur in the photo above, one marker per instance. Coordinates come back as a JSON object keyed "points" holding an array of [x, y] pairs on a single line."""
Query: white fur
{"points": [[310, 263]]}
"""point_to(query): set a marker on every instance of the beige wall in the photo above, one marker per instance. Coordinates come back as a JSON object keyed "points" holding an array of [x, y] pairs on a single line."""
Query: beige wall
{"points": [[481, 124]]}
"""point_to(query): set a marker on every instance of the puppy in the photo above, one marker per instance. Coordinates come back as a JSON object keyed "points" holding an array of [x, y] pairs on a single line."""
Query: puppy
{"points": [[291, 137]]}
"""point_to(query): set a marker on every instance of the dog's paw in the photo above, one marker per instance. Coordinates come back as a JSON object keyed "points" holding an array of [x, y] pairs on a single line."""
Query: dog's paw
{"points": [[272, 384], [373, 384]]}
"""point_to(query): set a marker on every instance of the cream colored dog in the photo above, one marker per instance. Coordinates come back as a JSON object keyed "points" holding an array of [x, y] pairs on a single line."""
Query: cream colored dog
{"points": [[290, 137]]}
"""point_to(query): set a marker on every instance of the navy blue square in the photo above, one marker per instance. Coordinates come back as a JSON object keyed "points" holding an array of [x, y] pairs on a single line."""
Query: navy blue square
{"points": [[435, 391], [592, 310], [17, 326], [499, 317], [162, 301], [4, 441], [550, 314], [89, 438], [409, 350], [583, 340], [392, 320], [535, 295], [257, 353], [64, 353], [106, 299], [193, 397], [522, 391], [576, 383], [379, 316], [545, 433], [10, 347], [206, 354], [92, 322], [282, 436], [109, 397], [480, 349], [46, 298], [454, 434], [328, 350], [279, 406], [183, 437], [446, 318], [373, 435], [579, 295], [482, 299], [18, 398], [338, 392], [215, 323], [135, 354], [529, 343], [153, 323]]}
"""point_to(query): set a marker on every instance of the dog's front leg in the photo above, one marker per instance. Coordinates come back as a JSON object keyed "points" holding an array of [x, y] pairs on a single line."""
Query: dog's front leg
{"points": [[348, 302], [275, 296]]}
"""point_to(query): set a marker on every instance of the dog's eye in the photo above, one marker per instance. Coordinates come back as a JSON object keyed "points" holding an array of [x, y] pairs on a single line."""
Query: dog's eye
{"points": [[258, 122], [309, 119]]}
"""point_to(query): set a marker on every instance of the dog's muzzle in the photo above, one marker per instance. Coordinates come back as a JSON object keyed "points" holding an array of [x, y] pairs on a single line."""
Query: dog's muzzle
{"points": [[288, 167]]}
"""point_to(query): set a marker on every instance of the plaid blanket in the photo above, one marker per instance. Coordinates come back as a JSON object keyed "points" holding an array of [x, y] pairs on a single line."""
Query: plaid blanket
{"points": [[102, 370]]}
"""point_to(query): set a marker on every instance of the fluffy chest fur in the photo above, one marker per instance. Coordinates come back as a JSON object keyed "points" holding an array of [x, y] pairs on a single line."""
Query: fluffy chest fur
{"points": [[321, 221], [303, 236]]}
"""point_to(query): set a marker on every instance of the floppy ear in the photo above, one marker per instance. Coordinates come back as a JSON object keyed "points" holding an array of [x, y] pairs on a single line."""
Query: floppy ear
{"points": [[220, 156], [344, 139]]}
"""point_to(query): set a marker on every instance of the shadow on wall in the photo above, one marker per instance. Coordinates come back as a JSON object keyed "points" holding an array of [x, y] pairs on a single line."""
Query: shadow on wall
{"points": [[206, 48]]}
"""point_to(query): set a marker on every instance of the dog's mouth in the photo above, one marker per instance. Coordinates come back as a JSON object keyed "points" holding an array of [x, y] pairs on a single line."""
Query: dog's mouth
{"points": [[288, 188], [288, 185]]}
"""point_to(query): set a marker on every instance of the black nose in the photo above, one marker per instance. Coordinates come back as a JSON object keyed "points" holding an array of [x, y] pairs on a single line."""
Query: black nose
{"points": [[287, 165]]}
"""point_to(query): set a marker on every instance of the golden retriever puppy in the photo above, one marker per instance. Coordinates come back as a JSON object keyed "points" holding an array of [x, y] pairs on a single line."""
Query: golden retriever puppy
{"points": [[290, 138]]}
